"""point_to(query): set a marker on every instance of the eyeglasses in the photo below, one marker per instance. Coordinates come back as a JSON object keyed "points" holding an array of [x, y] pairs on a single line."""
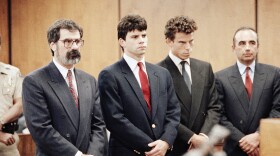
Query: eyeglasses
{"points": [[69, 42]]}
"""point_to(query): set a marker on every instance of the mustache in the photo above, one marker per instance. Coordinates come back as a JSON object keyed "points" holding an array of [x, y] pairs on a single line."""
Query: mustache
{"points": [[73, 54]]}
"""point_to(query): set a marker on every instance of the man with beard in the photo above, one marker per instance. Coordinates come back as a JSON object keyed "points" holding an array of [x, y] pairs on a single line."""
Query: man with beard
{"points": [[61, 103]]}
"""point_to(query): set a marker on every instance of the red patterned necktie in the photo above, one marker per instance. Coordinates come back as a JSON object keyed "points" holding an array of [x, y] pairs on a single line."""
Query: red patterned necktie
{"points": [[248, 83], [71, 88], [145, 85]]}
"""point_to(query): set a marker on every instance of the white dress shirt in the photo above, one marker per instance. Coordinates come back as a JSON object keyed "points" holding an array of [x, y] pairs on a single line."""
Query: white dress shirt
{"points": [[132, 63], [178, 61]]}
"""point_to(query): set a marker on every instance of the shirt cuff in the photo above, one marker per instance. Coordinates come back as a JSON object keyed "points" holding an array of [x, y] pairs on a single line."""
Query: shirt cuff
{"points": [[79, 153], [189, 142], [202, 134]]}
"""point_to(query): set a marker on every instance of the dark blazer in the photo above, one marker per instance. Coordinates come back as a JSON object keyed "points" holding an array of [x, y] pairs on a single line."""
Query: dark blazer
{"points": [[56, 125], [200, 111], [126, 114], [241, 115]]}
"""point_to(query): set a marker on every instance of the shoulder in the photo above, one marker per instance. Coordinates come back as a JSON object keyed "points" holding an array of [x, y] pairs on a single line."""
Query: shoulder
{"points": [[225, 71], [199, 62], [9, 69], [266, 67], [156, 67]]}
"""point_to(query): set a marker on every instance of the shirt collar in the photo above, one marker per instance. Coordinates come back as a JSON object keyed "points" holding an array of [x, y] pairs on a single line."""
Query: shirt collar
{"points": [[132, 63], [176, 59], [62, 69], [242, 67]]}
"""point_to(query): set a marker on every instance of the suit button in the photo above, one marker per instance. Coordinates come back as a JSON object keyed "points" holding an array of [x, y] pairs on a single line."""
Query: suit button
{"points": [[153, 126], [68, 135], [241, 121]]}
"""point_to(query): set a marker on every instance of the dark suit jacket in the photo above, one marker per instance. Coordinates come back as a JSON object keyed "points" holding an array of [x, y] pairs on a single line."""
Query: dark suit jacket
{"points": [[203, 102], [126, 114], [241, 115], [56, 125]]}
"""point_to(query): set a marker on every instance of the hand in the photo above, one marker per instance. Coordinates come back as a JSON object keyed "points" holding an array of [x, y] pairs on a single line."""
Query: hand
{"points": [[7, 138], [250, 142], [159, 148], [255, 152], [197, 141]]}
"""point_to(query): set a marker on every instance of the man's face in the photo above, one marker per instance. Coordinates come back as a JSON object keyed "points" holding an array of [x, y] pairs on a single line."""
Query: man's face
{"points": [[182, 45], [135, 44], [66, 51], [246, 46]]}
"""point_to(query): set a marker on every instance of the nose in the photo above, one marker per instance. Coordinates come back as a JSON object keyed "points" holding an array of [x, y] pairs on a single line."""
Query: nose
{"points": [[187, 45], [75, 46], [247, 46]]}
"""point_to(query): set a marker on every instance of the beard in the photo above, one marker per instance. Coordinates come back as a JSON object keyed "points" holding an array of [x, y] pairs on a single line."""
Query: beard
{"points": [[72, 57]]}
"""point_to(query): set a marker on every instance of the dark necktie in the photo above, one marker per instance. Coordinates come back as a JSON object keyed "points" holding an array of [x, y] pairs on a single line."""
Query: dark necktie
{"points": [[186, 75], [145, 85], [71, 88], [248, 83]]}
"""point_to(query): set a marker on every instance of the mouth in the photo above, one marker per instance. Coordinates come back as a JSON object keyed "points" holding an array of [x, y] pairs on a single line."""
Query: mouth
{"points": [[74, 54], [142, 47]]}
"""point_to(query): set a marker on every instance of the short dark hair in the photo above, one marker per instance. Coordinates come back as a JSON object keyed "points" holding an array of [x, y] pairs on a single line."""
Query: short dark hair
{"points": [[179, 24], [53, 33], [129, 23], [242, 29]]}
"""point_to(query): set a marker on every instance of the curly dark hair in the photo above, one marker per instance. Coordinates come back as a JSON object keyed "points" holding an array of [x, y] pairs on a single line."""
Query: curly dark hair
{"points": [[53, 33], [242, 29], [179, 24], [130, 23]]}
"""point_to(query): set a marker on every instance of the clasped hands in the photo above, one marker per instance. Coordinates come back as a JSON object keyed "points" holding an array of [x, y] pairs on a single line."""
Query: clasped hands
{"points": [[159, 148], [7, 138], [250, 144]]}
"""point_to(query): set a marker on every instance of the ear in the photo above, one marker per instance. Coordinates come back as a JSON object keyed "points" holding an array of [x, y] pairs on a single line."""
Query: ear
{"points": [[53, 46], [122, 42], [169, 42]]}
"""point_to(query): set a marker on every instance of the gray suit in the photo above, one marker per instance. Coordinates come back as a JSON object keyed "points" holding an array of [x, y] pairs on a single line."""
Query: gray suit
{"points": [[241, 115], [56, 125], [200, 110]]}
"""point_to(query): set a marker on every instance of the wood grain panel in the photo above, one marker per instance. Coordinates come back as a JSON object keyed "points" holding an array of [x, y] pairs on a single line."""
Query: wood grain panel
{"points": [[217, 20], [4, 54], [31, 19], [269, 31]]}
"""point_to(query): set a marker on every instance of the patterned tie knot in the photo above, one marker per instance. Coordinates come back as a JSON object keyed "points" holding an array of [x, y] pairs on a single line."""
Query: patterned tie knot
{"points": [[69, 75]]}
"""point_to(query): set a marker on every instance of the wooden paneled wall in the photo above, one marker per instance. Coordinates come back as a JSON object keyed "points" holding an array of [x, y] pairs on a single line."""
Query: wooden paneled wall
{"points": [[32, 18], [4, 54], [269, 31], [217, 20]]}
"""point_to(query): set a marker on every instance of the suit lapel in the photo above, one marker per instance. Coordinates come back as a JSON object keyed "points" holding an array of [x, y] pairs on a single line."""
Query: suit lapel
{"points": [[179, 83], [153, 80], [258, 85], [239, 88], [197, 90], [129, 76], [85, 94], [60, 88]]}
